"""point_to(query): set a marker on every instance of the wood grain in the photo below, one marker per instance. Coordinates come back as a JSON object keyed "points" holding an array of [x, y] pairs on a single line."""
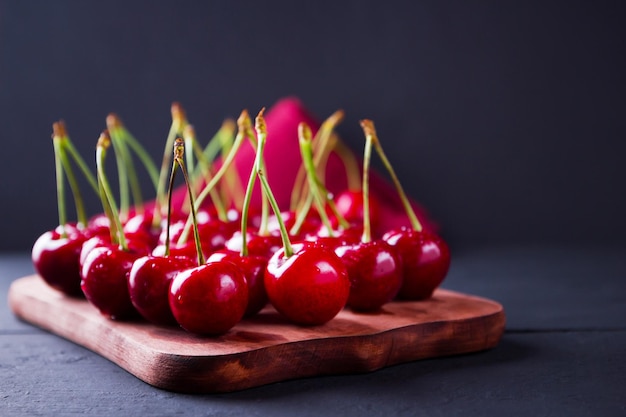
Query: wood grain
{"points": [[266, 348]]}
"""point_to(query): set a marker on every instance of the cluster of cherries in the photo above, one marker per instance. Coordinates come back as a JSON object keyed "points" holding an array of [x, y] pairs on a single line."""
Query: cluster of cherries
{"points": [[204, 269]]}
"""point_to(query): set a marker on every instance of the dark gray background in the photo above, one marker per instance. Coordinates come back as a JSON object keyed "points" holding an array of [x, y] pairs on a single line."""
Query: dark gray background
{"points": [[507, 121]]}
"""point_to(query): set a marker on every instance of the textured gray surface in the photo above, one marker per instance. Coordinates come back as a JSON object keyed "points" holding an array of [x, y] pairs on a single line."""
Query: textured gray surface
{"points": [[562, 354]]}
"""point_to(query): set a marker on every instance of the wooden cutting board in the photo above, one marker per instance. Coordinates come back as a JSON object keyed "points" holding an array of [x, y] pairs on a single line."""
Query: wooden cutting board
{"points": [[266, 348]]}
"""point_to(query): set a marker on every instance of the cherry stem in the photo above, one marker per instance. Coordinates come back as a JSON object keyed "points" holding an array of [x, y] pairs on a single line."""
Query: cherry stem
{"points": [[122, 173], [209, 153], [60, 183], [170, 190], [80, 162], [370, 131], [261, 130], [321, 140], [81, 214], [244, 211], [141, 153], [216, 178], [365, 188], [350, 163], [265, 206], [231, 186], [124, 142], [104, 142], [179, 152], [306, 150], [302, 213], [178, 122], [189, 135]]}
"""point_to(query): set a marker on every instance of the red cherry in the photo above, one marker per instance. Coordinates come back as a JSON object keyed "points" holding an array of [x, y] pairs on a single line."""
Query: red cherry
{"points": [[105, 280], [56, 259], [253, 268], [140, 225], [310, 287], [375, 274], [264, 246], [98, 225], [138, 246], [149, 283], [311, 223], [209, 299], [350, 205], [425, 261], [186, 250]]}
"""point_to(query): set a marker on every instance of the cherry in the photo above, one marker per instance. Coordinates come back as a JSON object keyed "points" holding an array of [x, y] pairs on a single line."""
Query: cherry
{"points": [[105, 274], [350, 205], [212, 297], [258, 245], [374, 272], [55, 254], [141, 226], [209, 299], [253, 269], [135, 245], [373, 266], [106, 267], [151, 276], [308, 284], [425, 261], [149, 283], [55, 259], [425, 257]]}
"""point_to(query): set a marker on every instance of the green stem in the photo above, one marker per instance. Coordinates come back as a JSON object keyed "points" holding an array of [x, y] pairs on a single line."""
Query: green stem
{"points": [[191, 142], [60, 186], [179, 150], [142, 154], [133, 179], [244, 212], [306, 150], [303, 211], [368, 127], [178, 122], [209, 186], [170, 189], [101, 150], [214, 146], [365, 186], [261, 130], [122, 174], [67, 144], [350, 163], [81, 214]]}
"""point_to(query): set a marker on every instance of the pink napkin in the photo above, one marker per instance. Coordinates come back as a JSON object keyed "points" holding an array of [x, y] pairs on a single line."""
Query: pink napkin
{"points": [[282, 159]]}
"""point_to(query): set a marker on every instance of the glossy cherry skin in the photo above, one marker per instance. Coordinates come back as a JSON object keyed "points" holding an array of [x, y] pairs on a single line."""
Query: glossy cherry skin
{"points": [[213, 234], [140, 225], [104, 281], [310, 225], [56, 259], [425, 261], [350, 205], [186, 250], [209, 299], [253, 268], [149, 285], [258, 245], [375, 274], [138, 246], [310, 287]]}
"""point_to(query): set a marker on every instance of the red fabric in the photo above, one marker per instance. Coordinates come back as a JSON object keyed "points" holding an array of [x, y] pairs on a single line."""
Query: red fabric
{"points": [[282, 159]]}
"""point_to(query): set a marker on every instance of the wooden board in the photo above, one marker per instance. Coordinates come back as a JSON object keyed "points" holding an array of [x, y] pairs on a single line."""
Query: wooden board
{"points": [[266, 348]]}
